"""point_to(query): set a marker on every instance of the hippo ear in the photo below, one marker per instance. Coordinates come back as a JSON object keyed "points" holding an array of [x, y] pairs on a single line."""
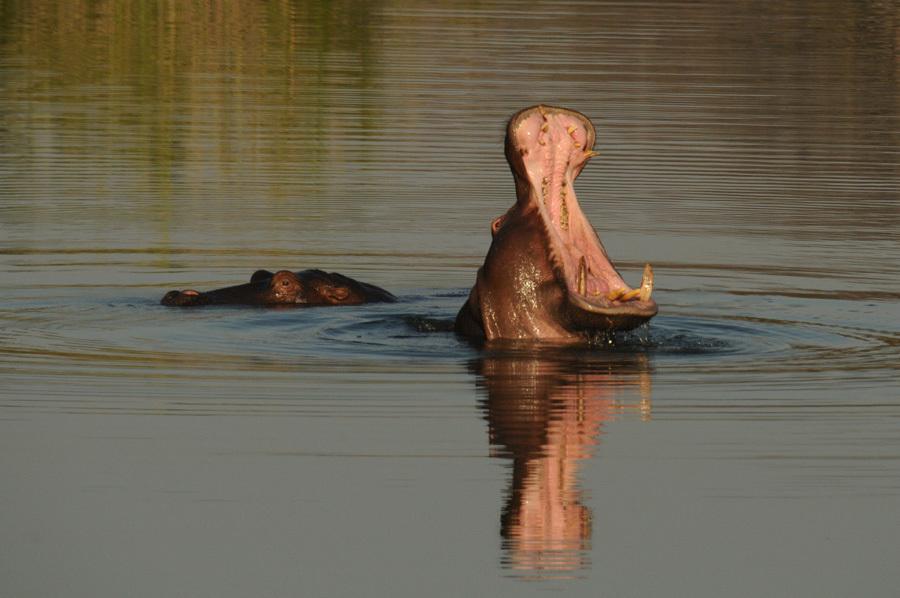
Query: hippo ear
{"points": [[496, 224], [261, 275], [336, 294]]}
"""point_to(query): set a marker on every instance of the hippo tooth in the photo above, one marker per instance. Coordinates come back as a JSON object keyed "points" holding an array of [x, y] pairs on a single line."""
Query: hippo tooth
{"points": [[646, 283], [571, 129], [643, 292], [582, 277], [564, 216], [545, 127], [590, 153], [576, 144]]}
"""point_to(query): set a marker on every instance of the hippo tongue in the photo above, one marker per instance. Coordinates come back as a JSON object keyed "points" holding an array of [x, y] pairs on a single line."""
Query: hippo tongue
{"points": [[554, 144]]}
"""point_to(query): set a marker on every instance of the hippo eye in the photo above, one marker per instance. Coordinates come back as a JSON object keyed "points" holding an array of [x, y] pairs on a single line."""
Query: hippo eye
{"points": [[285, 283]]}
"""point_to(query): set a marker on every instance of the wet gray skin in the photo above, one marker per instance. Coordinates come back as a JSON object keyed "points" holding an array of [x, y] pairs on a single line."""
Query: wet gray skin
{"points": [[307, 287], [546, 274]]}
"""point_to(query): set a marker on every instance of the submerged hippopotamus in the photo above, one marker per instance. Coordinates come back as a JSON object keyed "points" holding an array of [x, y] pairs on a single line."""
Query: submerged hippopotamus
{"points": [[546, 274], [308, 287]]}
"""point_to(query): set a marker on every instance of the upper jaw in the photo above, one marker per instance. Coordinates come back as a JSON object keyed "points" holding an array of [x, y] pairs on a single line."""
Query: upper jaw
{"points": [[547, 148], [535, 130]]}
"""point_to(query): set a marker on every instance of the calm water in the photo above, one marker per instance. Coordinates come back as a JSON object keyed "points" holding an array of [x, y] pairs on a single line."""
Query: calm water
{"points": [[749, 438]]}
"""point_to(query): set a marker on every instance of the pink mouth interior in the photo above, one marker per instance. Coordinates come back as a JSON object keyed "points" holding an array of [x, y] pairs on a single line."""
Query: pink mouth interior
{"points": [[554, 148]]}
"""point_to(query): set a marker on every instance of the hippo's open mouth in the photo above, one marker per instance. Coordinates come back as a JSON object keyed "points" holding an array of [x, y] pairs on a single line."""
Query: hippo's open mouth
{"points": [[553, 145], [546, 275]]}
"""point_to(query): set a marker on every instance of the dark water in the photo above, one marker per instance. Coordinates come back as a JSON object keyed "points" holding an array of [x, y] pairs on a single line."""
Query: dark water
{"points": [[749, 438]]}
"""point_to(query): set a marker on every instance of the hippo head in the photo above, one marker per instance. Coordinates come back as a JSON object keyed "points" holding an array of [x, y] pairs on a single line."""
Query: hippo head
{"points": [[313, 287], [307, 287], [546, 274]]}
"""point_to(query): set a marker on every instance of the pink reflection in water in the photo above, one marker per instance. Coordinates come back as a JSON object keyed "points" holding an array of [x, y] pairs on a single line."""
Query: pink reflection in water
{"points": [[546, 414]]}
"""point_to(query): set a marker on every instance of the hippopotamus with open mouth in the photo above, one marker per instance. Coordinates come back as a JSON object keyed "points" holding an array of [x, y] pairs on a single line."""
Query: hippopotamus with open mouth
{"points": [[546, 274], [308, 287]]}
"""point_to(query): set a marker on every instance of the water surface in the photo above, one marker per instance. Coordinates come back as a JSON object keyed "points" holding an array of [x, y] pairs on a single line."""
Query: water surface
{"points": [[749, 437]]}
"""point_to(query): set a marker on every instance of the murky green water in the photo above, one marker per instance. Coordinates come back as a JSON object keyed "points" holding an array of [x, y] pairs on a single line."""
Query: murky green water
{"points": [[750, 438]]}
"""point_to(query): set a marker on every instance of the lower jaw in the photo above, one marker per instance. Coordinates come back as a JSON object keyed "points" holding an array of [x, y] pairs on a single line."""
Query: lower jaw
{"points": [[615, 297]]}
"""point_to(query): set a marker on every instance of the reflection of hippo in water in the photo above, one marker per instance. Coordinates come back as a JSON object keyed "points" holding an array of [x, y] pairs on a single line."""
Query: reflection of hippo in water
{"points": [[546, 274], [308, 287], [545, 411]]}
